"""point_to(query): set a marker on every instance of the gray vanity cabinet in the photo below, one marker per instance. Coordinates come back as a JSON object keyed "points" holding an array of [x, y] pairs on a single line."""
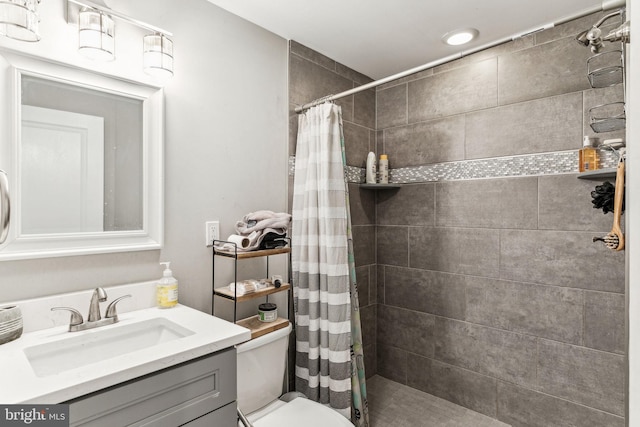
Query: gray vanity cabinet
{"points": [[201, 392]]}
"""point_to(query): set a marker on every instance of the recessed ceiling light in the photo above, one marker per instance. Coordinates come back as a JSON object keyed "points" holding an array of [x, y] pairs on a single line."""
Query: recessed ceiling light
{"points": [[458, 37]]}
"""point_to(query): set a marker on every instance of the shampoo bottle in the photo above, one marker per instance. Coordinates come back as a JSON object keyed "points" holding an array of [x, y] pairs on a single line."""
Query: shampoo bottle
{"points": [[383, 168], [371, 168], [167, 289], [589, 158]]}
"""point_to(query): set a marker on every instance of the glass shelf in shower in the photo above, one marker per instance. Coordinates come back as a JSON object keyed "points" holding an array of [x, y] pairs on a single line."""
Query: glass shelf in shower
{"points": [[379, 186], [598, 174]]}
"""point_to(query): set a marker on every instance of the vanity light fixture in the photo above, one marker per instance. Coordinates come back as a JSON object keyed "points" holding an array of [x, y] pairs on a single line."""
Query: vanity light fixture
{"points": [[461, 36], [96, 35], [96, 30], [158, 55], [19, 19]]}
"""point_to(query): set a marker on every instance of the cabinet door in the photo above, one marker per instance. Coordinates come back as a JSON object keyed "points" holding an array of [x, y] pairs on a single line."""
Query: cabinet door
{"points": [[169, 398], [223, 417]]}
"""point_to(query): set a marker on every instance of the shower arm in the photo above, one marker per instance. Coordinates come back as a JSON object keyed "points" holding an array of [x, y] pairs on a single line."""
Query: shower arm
{"points": [[593, 36]]}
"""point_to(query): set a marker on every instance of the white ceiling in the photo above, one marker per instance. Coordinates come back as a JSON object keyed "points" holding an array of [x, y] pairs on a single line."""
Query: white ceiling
{"points": [[383, 37]]}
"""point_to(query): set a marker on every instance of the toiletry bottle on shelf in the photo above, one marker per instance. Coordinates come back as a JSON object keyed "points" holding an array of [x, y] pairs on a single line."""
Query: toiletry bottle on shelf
{"points": [[589, 158], [383, 168], [167, 289], [371, 168]]}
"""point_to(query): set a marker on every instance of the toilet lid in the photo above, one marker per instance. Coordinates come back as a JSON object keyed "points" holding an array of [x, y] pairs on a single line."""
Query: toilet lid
{"points": [[303, 412]]}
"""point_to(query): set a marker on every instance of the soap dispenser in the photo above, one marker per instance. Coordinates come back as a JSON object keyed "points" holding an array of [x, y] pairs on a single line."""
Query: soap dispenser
{"points": [[167, 289]]}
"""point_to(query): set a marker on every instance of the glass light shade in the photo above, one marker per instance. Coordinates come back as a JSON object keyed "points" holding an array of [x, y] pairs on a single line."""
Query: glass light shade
{"points": [[158, 55], [19, 19], [96, 35]]}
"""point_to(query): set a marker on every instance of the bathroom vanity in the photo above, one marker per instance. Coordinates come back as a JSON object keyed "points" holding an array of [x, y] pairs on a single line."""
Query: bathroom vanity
{"points": [[201, 392], [153, 367]]}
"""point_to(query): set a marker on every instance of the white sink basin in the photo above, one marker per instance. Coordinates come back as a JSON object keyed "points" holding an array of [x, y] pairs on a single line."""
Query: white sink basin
{"points": [[100, 344]]}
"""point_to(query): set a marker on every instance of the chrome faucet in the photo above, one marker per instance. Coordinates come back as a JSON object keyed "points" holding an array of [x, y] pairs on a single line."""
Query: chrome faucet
{"points": [[99, 295], [94, 319]]}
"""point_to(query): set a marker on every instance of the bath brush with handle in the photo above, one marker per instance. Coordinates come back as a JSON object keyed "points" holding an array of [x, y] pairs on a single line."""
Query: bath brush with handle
{"points": [[615, 239]]}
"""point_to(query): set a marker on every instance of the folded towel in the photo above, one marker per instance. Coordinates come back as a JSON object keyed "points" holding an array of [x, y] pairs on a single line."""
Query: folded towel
{"points": [[258, 224]]}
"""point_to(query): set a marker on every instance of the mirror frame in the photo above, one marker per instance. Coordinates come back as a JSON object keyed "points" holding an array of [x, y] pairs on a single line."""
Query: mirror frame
{"points": [[12, 67]]}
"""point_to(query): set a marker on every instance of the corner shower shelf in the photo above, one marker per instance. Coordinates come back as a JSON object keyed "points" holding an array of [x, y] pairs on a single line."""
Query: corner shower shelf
{"points": [[598, 174], [252, 323], [379, 186]]}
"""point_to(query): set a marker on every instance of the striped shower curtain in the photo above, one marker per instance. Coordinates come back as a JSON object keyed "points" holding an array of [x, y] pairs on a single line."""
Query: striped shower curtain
{"points": [[329, 359]]}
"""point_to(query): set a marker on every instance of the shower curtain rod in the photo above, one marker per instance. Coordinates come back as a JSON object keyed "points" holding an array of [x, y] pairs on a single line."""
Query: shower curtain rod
{"points": [[605, 5]]}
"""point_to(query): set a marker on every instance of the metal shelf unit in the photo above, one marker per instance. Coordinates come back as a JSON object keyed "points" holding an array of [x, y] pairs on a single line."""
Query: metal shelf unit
{"points": [[257, 327]]}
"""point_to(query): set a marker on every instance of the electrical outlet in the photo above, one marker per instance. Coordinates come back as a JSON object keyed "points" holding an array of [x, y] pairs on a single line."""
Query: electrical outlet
{"points": [[212, 232]]}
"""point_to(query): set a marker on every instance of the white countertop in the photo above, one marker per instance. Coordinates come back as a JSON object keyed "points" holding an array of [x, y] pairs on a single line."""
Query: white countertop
{"points": [[22, 385]]}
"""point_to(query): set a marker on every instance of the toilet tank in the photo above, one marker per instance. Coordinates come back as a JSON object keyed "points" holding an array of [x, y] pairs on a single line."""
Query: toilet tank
{"points": [[261, 369]]}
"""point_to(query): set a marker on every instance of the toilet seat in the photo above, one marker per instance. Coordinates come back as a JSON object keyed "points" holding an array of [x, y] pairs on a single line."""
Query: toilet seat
{"points": [[302, 412]]}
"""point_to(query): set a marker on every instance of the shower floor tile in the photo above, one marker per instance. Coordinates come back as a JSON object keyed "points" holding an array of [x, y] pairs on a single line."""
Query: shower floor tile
{"points": [[395, 405]]}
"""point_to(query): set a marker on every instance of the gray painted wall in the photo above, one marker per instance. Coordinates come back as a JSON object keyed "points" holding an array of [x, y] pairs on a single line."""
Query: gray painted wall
{"points": [[226, 155]]}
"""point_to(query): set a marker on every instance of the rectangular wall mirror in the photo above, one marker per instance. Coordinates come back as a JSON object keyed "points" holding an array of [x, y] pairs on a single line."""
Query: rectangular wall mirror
{"points": [[83, 154]]}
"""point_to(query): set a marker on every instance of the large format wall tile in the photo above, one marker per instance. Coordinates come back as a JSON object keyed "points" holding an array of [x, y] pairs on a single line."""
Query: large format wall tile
{"points": [[409, 205], [561, 258], [544, 311], [392, 363], [520, 407], [460, 386], [442, 294], [391, 106], [406, 329], [565, 204], [488, 203], [585, 376], [364, 237], [392, 245], [356, 144], [364, 108], [434, 141], [471, 251], [364, 285], [604, 327], [362, 205], [500, 354], [544, 70], [457, 91], [368, 321], [549, 124], [309, 81]]}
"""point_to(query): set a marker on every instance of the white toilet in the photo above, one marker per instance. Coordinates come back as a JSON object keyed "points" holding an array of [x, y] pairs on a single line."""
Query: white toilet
{"points": [[261, 370]]}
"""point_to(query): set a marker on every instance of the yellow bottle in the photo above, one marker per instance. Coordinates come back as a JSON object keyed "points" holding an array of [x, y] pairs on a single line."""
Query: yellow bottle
{"points": [[167, 289], [588, 157]]}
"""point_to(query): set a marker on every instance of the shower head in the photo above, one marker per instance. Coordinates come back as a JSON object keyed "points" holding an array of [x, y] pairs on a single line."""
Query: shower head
{"points": [[595, 39], [593, 36]]}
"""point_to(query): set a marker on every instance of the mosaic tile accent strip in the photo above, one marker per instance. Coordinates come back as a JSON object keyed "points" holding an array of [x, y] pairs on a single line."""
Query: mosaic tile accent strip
{"points": [[354, 173], [559, 162]]}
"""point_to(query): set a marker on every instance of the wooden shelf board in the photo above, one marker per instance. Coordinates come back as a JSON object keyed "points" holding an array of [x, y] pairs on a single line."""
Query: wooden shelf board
{"points": [[251, 254], [259, 328], [228, 293]]}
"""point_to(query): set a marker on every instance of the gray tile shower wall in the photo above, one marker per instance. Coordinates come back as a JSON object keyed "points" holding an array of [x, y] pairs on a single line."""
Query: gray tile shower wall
{"points": [[491, 293], [486, 292], [312, 76]]}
